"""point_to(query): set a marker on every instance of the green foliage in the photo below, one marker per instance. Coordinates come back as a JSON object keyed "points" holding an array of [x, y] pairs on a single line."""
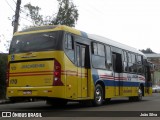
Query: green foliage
{"points": [[148, 50], [67, 14], [36, 18], [7, 42], [3, 68]]}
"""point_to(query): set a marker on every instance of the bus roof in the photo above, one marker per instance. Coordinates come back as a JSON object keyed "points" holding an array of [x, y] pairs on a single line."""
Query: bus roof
{"points": [[114, 43], [48, 28], [77, 32]]}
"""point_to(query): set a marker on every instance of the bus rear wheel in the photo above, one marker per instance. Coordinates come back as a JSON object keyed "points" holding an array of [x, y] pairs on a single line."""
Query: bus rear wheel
{"points": [[137, 98], [98, 95], [140, 94]]}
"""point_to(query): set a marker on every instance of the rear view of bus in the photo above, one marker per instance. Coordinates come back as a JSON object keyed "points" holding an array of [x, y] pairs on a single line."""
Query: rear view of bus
{"points": [[35, 64]]}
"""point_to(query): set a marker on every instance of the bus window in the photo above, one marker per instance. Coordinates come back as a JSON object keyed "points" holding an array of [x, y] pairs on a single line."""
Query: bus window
{"points": [[78, 55], [108, 55], [98, 60], [95, 49], [134, 67], [139, 64], [34, 42], [125, 64], [101, 50], [83, 56], [131, 63], [69, 47]]}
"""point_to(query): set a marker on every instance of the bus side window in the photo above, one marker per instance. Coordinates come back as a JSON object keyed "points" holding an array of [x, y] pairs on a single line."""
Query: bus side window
{"points": [[69, 47], [108, 55], [69, 42], [95, 49], [139, 64], [125, 64], [98, 56], [130, 64], [134, 67]]}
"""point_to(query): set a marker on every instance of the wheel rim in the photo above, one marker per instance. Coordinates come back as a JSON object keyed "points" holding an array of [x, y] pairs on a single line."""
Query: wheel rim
{"points": [[98, 95], [140, 94]]}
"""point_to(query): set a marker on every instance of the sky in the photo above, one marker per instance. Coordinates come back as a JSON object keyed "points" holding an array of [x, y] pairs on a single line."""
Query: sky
{"points": [[132, 22]]}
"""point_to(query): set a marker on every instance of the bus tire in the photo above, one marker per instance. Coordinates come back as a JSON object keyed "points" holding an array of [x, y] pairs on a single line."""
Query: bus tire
{"points": [[98, 95], [140, 94]]}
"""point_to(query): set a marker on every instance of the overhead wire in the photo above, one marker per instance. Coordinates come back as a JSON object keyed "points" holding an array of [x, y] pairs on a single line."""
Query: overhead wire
{"points": [[90, 8], [9, 5], [14, 1], [20, 9]]}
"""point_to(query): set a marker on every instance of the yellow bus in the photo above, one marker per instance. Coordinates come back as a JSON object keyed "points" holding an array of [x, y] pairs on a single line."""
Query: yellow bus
{"points": [[61, 64]]}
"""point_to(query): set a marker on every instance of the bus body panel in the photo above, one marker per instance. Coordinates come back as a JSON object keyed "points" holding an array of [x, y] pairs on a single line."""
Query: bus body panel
{"points": [[37, 73], [124, 85], [75, 83]]}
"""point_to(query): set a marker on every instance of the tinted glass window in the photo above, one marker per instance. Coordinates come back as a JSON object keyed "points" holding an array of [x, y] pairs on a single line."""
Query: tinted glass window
{"points": [[108, 55], [95, 48], [139, 64], [70, 42], [139, 59], [98, 56], [78, 55], [129, 58], [133, 58], [125, 56], [101, 50], [139, 69], [69, 47], [125, 67], [125, 63], [83, 56], [98, 61], [130, 66], [34, 42]]}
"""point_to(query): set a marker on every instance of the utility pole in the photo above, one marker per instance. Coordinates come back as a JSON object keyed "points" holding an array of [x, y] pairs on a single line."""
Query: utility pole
{"points": [[16, 21]]}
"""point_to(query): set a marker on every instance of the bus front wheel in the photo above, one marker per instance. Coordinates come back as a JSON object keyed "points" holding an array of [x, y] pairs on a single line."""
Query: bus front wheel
{"points": [[98, 95], [140, 94]]}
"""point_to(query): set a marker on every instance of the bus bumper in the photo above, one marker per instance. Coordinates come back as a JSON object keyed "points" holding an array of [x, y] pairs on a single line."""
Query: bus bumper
{"points": [[49, 91]]}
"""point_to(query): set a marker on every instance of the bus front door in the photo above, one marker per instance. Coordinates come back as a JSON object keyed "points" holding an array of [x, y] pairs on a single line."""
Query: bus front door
{"points": [[82, 57]]}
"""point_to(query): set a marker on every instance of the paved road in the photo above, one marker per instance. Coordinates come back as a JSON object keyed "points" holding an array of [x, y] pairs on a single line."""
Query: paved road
{"points": [[119, 106]]}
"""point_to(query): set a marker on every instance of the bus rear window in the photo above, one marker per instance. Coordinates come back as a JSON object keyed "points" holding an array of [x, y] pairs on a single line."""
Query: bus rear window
{"points": [[34, 42]]}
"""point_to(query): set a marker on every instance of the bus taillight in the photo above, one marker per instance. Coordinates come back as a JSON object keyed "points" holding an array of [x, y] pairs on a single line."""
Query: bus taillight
{"points": [[57, 74]]}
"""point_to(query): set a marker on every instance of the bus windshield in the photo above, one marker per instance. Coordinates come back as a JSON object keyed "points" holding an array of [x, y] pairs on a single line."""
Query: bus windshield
{"points": [[34, 42]]}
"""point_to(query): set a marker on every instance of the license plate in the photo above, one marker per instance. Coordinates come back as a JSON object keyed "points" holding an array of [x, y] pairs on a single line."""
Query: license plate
{"points": [[27, 92]]}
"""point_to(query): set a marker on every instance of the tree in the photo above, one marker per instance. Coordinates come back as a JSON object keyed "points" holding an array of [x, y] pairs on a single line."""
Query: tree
{"points": [[36, 18], [147, 51], [7, 42], [67, 14]]}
